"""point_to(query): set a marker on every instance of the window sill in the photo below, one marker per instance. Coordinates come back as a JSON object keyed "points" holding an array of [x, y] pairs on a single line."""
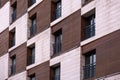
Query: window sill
{"points": [[86, 41], [87, 2], [34, 5], [12, 48], [56, 21]]}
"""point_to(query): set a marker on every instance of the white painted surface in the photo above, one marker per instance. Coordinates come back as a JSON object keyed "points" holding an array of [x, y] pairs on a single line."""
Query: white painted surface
{"points": [[4, 16], [107, 18], [42, 47], [20, 76], [88, 7], [70, 64], [4, 67], [68, 7], [20, 26]]}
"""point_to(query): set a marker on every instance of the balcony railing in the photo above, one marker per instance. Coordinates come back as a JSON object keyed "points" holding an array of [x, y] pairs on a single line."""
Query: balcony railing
{"points": [[32, 30], [89, 31], [31, 60], [89, 70], [58, 12], [12, 42], [56, 77], [13, 16], [13, 69], [57, 47]]}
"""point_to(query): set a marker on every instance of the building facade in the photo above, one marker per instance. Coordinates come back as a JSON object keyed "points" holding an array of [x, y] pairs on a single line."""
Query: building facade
{"points": [[59, 39]]}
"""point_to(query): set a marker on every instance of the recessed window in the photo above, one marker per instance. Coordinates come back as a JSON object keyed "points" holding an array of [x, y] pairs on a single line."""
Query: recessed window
{"points": [[31, 2], [88, 27], [0, 3], [12, 38], [13, 65], [32, 27], [55, 73], [32, 77], [55, 9], [90, 64], [14, 11], [31, 55], [57, 46]]}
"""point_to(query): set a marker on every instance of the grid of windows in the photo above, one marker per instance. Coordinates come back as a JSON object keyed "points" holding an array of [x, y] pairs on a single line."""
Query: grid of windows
{"points": [[89, 31]]}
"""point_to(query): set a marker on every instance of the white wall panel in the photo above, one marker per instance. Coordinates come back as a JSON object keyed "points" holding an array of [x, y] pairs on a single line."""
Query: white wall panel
{"points": [[4, 16], [4, 67]]}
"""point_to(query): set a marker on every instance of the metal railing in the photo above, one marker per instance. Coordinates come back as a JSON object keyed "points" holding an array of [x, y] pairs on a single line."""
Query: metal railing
{"points": [[13, 16], [89, 31], [89, 71], [56, 77], [58, 13], [32, 30], [13, 69], [12, 42], [57, 47]]}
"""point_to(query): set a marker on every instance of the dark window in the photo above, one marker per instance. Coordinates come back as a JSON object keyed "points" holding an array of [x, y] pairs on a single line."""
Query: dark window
{"points": [[33, 26], [84, 2], [58, 41], [55, 73], [89, 27], [56, 9], [32, 77], [90, 64], [31, 2], [14, 10], [11, 38], [31, 55], [0, 3], [13, 66]]}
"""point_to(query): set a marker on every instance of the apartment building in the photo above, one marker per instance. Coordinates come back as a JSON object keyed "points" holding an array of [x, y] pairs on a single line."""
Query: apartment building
{"points": [[59, 39]]}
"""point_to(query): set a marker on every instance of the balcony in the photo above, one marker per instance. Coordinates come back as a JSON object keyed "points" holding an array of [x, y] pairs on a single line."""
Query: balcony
{"points": [[12, 43], [13, 16], [89, 31], [89, 71], [57, 77], [13, 69], [32, 30], [56, 10], [57, 47]]}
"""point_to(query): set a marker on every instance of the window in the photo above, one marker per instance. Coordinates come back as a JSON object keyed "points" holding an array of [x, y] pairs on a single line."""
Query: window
{"points": [[56, 9], [12, 38], [13, 66], [32, 77], [31, 55], [90, 64], [33, 25], [89, 27], [57, 41], [14, 10], [55, 73], [0, 3], [31, 2]]}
